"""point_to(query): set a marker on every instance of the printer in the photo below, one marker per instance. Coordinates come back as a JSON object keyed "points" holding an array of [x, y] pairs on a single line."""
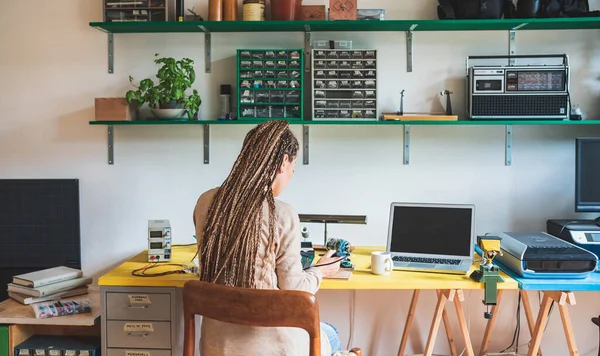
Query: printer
{"points": [[583, 233], [541, 255]]}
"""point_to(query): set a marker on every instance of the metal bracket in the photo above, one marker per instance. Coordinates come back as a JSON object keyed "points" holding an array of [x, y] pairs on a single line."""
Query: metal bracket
{"points": [[406, 143], [207, 48], [305, 144], [110, 145], [307, 48], [511, 46], [206, 144], [111, 49], [409, 48], [508, 145]]}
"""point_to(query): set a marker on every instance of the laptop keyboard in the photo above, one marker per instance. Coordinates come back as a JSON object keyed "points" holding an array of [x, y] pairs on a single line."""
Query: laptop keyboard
{"points": [[445, 261]]}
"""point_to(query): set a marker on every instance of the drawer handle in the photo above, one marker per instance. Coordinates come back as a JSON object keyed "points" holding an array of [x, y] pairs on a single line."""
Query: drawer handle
{"points": [[138, 306], [137, 334]]}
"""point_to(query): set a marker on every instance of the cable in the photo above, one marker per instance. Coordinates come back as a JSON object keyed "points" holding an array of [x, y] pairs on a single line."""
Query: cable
{"points": [[141, 272], [325, 264], [352, 310]]}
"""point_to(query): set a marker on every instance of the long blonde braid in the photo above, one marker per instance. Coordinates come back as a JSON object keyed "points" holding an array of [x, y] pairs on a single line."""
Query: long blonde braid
{"points": [[232, 230]]}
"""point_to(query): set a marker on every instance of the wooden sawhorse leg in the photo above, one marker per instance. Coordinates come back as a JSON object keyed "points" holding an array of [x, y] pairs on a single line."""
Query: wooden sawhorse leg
{"points": [[453, 295], [490, 324], [563, 300]]}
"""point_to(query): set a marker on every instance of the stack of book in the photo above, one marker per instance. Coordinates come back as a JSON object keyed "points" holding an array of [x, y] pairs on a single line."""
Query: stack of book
{"points": [[48, 284]]}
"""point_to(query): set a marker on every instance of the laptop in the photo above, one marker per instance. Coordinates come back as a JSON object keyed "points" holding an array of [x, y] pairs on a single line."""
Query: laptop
{"points": [[432, 237]]}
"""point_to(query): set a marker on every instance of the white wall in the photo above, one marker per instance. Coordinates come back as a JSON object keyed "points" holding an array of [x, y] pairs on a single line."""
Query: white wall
{"points": [[53, 65]]}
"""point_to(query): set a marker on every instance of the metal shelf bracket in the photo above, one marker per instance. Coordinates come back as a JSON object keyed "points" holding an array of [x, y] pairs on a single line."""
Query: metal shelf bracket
{"points": [[111, 50], [512, 45], [206, 144], [508, 145], [110, 145], [307, 48], [305, 137], [409, 48], [207, 49], [406, 144]]}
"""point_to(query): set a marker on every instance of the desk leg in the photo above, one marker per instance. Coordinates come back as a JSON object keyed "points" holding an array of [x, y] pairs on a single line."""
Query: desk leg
{"points": [[490, 325], [453, 351], [562, 299], [443, 295], [528, 315], [463, 323], [457, 297], [409, 320]]}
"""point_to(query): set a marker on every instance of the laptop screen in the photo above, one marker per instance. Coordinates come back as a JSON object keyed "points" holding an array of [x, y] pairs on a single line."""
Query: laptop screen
{"points": [[423, 229]]}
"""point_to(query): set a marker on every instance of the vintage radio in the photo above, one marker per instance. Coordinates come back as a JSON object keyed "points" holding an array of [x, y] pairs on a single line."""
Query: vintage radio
{"points": [[524, 92], [159, 240]]}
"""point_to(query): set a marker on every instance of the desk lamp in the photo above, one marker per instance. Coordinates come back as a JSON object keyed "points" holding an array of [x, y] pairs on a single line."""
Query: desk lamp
{"points": [[487, 273]]}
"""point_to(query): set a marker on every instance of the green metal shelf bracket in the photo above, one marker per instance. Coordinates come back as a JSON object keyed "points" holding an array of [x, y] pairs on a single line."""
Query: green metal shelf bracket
{"points": [[307, 48], [508, 145], [111, 49], [305, 136], [207, 48], [206, 144], [409, 48], [406, 144], [111, 145]]}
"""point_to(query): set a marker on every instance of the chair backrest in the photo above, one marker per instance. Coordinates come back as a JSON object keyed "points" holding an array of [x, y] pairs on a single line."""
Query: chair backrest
{"points": [[251, 307]]}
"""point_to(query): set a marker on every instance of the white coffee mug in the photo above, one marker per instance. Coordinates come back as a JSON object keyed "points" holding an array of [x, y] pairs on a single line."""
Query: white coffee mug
{"points": [[381, 262]]}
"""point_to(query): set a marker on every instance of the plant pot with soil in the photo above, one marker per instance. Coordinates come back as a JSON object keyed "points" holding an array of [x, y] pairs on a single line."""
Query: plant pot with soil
{"points": [[168, 100]]}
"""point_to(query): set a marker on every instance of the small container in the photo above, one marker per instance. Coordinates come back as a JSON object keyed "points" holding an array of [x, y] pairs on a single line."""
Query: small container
{"points": [[225, 101], [253, 10], [283, 10]]}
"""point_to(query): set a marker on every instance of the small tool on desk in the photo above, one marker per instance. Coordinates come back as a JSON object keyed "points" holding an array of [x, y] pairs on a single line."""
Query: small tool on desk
{"points": [[401, 112], [307, 252], [342, 248], [487, 273]]}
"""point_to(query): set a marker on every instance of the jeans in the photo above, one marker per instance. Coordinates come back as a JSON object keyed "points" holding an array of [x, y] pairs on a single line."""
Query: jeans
{"points": [[332, 336]]}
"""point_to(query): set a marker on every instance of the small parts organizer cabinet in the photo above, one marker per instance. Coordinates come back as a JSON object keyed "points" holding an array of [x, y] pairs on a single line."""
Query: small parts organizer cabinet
{"points": [[138, 321], [344, 84], [271, 84]]}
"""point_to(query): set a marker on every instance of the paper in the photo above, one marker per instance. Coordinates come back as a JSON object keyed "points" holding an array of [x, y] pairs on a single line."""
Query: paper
{"points": [[139, 299]]}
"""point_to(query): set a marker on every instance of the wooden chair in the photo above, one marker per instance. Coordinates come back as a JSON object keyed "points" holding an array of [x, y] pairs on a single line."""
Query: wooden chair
{"points": [[251, 307]]}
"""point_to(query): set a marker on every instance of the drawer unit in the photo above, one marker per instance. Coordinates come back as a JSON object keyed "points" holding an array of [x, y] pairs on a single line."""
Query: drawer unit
{"points": [[138, 352], [138, 306], [121, 334], [139, 321]]}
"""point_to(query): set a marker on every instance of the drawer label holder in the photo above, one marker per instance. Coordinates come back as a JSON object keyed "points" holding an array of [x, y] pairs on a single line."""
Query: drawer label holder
{"points": [[139, 299], [137, 353], [138, 327]]}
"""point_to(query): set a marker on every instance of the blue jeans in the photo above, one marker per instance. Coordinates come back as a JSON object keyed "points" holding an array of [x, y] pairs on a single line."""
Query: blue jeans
{"points": [[333, 336]]}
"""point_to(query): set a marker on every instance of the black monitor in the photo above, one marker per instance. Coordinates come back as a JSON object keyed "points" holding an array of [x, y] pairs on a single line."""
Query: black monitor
{"points": [[587, 175]]}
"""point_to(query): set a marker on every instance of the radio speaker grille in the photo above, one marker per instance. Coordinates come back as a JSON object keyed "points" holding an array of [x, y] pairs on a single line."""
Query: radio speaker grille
{"points": [[519, 105]]}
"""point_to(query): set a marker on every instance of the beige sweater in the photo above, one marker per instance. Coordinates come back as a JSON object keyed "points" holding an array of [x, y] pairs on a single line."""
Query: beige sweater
{"points": [[223, 339]]}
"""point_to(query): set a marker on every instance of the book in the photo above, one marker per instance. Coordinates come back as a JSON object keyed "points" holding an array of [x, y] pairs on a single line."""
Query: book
{"points": [[50, 289], [24, 299], [47, 276]]}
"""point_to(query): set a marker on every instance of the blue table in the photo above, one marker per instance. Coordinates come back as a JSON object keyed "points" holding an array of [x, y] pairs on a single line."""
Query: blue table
{"points": [[559, 291]]}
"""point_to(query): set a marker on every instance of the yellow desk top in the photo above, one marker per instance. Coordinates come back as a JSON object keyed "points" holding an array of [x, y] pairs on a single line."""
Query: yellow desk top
{"points": [[362, 278]]}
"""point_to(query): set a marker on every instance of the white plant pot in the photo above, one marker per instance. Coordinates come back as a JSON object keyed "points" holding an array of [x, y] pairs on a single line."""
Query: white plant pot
{"points": [[169, 114]]}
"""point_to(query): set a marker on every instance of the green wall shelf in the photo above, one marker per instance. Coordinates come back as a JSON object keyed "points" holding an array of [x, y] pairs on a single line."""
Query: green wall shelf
{"points": [[305, 130], [406, 26]]}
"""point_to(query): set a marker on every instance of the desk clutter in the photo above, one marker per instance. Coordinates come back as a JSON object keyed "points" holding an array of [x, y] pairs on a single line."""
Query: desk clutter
{"points": [[47, 291]]}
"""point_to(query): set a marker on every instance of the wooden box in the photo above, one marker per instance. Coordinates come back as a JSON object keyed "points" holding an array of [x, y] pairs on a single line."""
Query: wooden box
{"points": [[342, 10], [114, 109], [312, 12]]}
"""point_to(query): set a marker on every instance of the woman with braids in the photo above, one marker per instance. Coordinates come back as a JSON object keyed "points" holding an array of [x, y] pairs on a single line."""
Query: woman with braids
{"points": [[247, 238]]}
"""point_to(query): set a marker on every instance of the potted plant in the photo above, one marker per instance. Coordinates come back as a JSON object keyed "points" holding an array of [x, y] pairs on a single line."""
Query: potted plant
{"points": [[168, 99]]}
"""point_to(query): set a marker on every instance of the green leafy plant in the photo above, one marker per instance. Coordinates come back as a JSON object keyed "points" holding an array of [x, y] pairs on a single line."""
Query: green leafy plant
{"points": [[174, 78]]}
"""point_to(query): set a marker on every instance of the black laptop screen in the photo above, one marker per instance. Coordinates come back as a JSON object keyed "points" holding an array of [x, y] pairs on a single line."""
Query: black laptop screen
{"points": [[432, 230]]}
